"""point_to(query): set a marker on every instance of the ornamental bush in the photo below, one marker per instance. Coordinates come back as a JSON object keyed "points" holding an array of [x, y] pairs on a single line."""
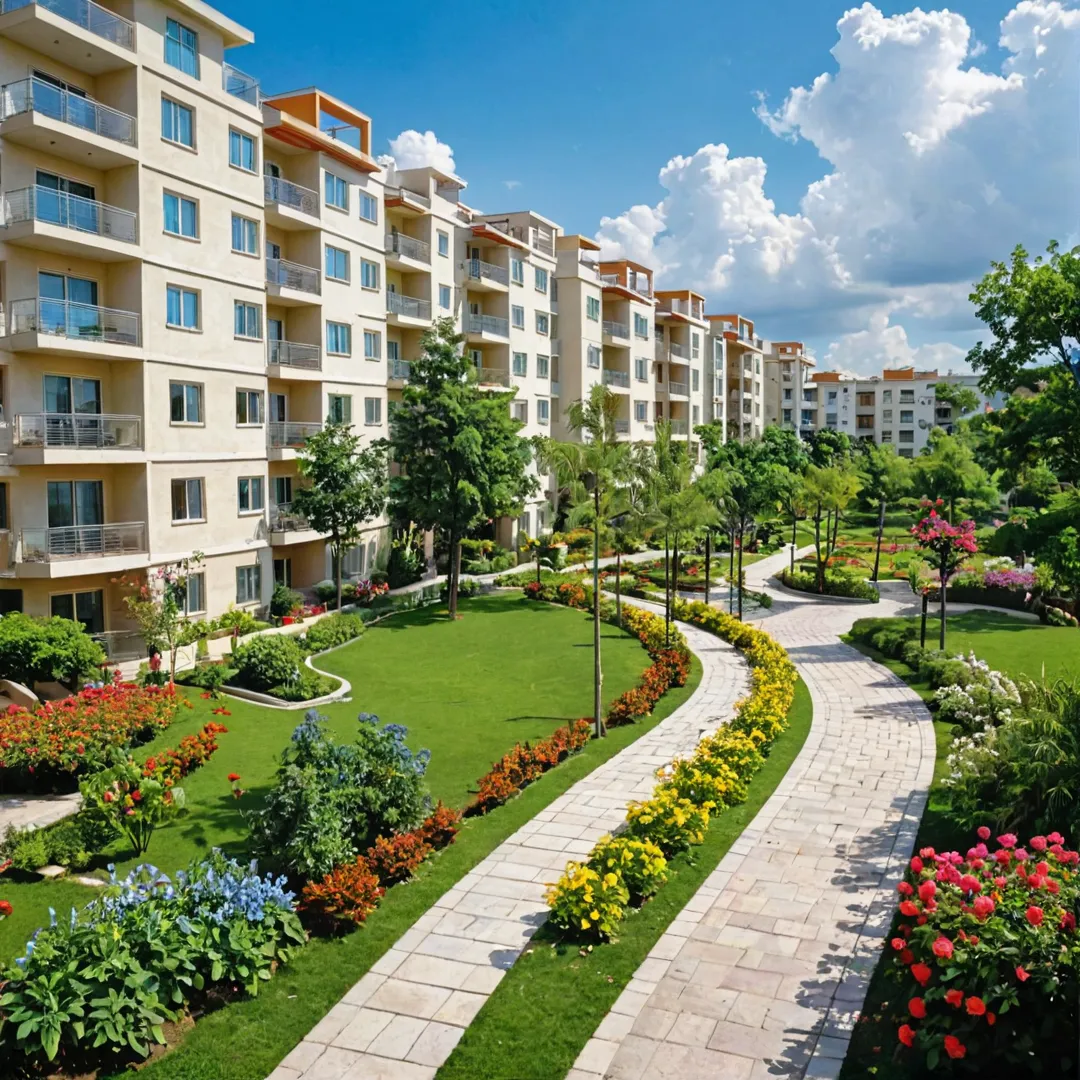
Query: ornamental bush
{"points": [[394, 858], [133, 803], [345, 897], [42, 650], [267, 661], [639, 863], [588, 903], [332, 631], [671, 822]]}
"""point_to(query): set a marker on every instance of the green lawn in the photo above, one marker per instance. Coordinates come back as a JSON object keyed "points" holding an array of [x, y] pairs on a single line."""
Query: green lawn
{"points": [[551, 1001]]}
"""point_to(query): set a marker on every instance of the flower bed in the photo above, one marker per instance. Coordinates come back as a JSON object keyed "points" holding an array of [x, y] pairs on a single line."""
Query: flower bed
{"points": [[837, 581], [48, 747]]}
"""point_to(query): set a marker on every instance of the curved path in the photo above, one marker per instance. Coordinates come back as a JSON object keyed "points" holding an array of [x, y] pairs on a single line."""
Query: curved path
{"points": [[765, 970], [403, 1018]]}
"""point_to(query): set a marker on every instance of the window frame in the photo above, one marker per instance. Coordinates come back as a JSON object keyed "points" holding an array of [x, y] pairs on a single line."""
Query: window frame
{"points": [[377, 403], [327, 249], [369, 269], [517, 271], [255, 579], [189, 609], [449, 298], [442, 247], [331, 399], [244, 222], [524, 364], [243, 139], [366, 198], [180, 200], [248, 394], [248, 307], [514, 309], [543, 411], [178, 105], [200, 389], [254, 484], [178, 41], [540, 279], [339, 327], [376, 337], [337, 180], [186, 480], [543, 324], [183, 290], [590, 352], [543, 366], [592, 308]]}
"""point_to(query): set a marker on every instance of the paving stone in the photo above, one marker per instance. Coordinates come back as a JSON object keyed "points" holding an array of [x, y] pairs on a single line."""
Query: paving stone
{"points": [[359, 1033], [460, 1008], [409, 998], [435, 1044], [397, 1038]]}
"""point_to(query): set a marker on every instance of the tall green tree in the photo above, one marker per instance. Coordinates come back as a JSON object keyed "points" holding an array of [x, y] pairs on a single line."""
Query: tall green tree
{"points": [[346, 485], [595, 470], [884, 476], [829, 492], [790, 494], [828, 447], [460, 453], [960, 397], [1032, 309], [947, 470]]}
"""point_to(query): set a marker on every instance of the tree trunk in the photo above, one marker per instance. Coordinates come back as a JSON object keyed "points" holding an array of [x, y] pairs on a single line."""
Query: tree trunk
{"points": [[618, 587], [835, 531], [742, 535], [817, 551], [731, 571], [880, 533], [708, 562], [598, 678], [952, 509], [336, 555], [537, 564], [922, 631], [667, 591], [676, 559], [944, 588], [451, 575], [794, 540]]}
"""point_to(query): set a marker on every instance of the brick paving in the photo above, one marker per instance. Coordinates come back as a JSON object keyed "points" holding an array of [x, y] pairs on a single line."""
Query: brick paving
{"points": [[404, 1017], [765, 970]]}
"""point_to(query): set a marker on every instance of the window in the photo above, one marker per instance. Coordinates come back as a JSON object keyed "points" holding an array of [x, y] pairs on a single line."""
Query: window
{"points": [[907, 397], [194, 593], [641, 410], [337, 263], [249, 494], [185, 403], [87, 608], [787, 416], [336, 191], [241, 150], [787, 394], [372, 411], [339, 338], [809, 395], [695, 346], [372, 345], [444, 297], [249, 407], [592, 308], [592, 356], [886, 397], [641, 325], [369, 274], [543, 411], [541, 322], [340, 408], [906, 453], [187, 500], [181, 215], [864, 398], [521, 363], [907, 416], [517, 271], [907, 436], [177, 123], [886, 436], [886, 414], [245, 235], [540, 276], [393, 350], [641, 368], [181, 48], [695, 379], [520, 411], [282, 490], [542, 366], [181, 308], [444, 242], [864, 423], [517, 317], [248, 584], [696, 415], [369, 207], [247, 320]]}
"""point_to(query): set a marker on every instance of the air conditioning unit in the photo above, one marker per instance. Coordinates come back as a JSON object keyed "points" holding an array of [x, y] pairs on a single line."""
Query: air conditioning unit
{"points": [[924, 424], [926, 401]]}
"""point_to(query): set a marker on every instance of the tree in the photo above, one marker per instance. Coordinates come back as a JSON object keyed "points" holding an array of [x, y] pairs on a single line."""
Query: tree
{"points": [[949, 544], [346, 486], [829, 447], [960, 397], [790, 494], [1062, 555], [829, 492], [885, 477], [947, 470], [594, 470], [461, 455], [1032, 309], [159, 607]]}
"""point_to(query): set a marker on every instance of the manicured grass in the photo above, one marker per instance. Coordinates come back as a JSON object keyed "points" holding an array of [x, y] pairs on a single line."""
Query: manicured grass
{"points": [[552, 1000]]}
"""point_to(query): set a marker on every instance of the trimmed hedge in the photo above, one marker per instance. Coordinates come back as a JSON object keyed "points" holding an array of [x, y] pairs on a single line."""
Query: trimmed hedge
{"points": [[843, 585]]}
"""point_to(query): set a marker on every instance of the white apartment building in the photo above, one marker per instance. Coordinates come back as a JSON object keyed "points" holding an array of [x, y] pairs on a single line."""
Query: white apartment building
{"points": [[787, 375], [577, 351], [743, 365], [680, 356]]}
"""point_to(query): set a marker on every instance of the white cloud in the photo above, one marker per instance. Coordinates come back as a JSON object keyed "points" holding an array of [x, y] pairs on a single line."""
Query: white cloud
{"points": [[884, 345], [415, 150], [511, 184]]}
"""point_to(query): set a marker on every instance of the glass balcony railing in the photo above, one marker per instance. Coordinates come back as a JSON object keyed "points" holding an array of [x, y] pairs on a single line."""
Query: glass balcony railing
{"points": [[408, 247], [78, 431], [69, 211], [239, 84], [616, 329], [83, 322], [485, 271], [400, 369], [92, 17], [290, 434], [493, 377], [616, 378], [488, 324], [37, 95], [290, 275]]}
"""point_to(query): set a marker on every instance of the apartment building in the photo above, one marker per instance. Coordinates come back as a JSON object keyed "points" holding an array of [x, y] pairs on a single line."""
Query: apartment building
{"points": [[577, 350], [787, 376], [744, 391], [681, 344]]}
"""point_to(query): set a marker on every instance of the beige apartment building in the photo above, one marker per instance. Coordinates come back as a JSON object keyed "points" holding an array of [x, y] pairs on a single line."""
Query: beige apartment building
{"points": [[788, 369], [744, 375], [681, 343]]}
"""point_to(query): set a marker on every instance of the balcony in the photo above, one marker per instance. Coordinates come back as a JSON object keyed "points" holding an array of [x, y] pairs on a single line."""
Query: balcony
{"points": [[402, 250], [616, 331], [287, 527], [61, 550], [678, 389], [485, 275], [293, 360], [240, 85], [37, 114], [556, 347], [62, 438], [398, 371], [622, 427], [639, 285], [555, 389], [290, 283], [678, 353], [78, 33], [487, 326], [284, 438], [59, 326], [288, 205], [50, 220], [680, 427], [542, 241], [620, 379], [399, 198], [407, 310], [686, 308], [493, 377]]}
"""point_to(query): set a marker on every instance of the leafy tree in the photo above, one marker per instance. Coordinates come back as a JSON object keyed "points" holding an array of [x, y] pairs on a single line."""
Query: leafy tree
{"points": [[158, 607], [42, 650], [962, 398], [885, 477], [949, 544], [790, 494], [829, 447], [1061, 552], [346, 486], [461, 455], [947, 470], [1035, 486], [829, 492], [1032, 309]]}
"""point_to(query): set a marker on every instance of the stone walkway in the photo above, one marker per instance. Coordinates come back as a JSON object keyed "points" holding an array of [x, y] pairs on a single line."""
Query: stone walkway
{"points": [[403, 1018], [765, 970]]}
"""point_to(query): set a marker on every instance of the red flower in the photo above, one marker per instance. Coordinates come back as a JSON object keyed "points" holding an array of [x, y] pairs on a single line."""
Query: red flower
{"points": [[970, 884], [5, 908], [1068, 921], [954, 1047], [904, 889], [906, 957], [983, 907], [916, 864], [107, 796], [976, 1006], [983, 832], [917, 1007], [991, 1019], [898, 944], [921, 973], [1038, 843], [943, 948], [1034, 915], [1007, 840], [907, 907], [1021, 974], [906, 1035], [955, 998], [233, 777], [926, 891]]}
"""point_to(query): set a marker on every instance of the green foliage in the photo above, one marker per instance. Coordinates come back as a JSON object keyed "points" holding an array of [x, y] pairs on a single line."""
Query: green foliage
{"points": [[132, 803], [332, 631], [640, 864], [284, 600], [947, 470], [267, 661], [837, 582], [42, 650], [1062, 554], [210, 676], [587, 902], [71, 842], [407, 563]]}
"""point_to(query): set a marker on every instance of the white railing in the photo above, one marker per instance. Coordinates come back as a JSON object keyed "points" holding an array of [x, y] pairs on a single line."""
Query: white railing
{"points": [[83, 541], [488, 324], [291, 433], [679, 427], [407, 196], [679, 388], [93, 17], [400, 244], [616, 329], [70, 212], [296, 354], [678, 351], [493, 377], [84, 322], [616, 378], [280, 192], [400, 369], [36, 95], [290, 275], [634, 284], [239, 84], [78, 431], [411, 307], [485, 271]]}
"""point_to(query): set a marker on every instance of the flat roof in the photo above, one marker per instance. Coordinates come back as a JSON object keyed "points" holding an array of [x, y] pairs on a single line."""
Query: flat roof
{"points": [[231, 31]]}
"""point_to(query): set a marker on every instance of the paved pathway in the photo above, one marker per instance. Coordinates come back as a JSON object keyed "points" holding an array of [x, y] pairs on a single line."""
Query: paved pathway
{"points": [[402, 1020], [764, 971]]}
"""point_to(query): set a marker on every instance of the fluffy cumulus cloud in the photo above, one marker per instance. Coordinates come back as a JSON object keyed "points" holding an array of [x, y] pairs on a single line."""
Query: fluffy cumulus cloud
{"points": [[933, 166], [416, 150], [883, 345]]}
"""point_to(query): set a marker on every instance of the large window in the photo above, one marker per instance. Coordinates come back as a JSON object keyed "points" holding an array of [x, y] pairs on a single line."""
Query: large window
{"points": [[339, 338], [241, 150], [517, 271], [592, 356], [87, 608], [187, 500], [540, 276], [517, 317], [372, 411], [247, 320], [444, 243], [181, 215], [543, 365], [181, 308], [542, 321], [248, 584], [194, 593], [369, 207], [177, 123], [369, 274], [641, 368], [185, 403], [249, 407], [542, 411], [372, 345], [444, 297], [641, 325], [249, 494], [336, 191], [592, 308], [641, 410], [521, 363], [337, 263], [181, 47], [245, 235]]}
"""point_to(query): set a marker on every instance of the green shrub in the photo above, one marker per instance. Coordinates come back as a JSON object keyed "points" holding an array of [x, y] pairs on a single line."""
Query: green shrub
{"points": [[1056, 617], [71, 842], [501, 563], [465, 589], [407, 562], [42, 650], [284, 600], [210, 676], [332, 631], [587, 903], [912, 654], [326, 591], [239, 620], [640, 864], [29, 850], [838, 582], [940, 669], [306, 686], [266, 661], [476, 566]]}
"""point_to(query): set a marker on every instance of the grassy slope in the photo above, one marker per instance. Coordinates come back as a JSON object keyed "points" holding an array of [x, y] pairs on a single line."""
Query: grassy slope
{"points": [[551, 1001]]}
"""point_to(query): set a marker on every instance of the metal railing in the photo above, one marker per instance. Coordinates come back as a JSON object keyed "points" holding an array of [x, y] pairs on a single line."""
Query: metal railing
{"points": [[93, 17], [407, 196], [493, 377], [679, 427], [84, 322], [121, 645], [622, 427], [400, 369], [488, 324], [296, 354], [616, 378], [680, 388], [400, 244], [542, 241], [291, 433], [278, 191], [83, 541], [485, 271], [641, 287], [411, 307], [78, 431], [679, 351], [240, 84], [70, 212], [616, 329], [36, 95], [290, 275], [283, 519]]}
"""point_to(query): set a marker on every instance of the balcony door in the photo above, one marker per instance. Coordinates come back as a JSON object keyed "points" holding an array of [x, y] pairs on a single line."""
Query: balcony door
{"points": [[87, 608], [76, 517], [70, 203], [72, 408], [279, 408], [68, 305]]}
